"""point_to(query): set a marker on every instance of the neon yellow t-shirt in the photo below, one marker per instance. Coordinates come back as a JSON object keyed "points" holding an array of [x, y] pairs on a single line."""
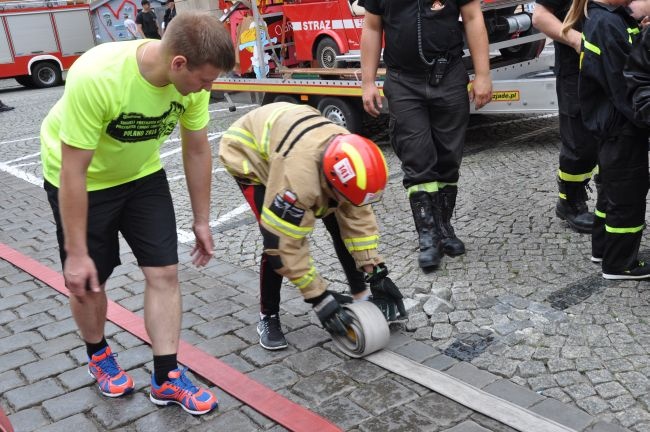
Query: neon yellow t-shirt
{"points": [[108, 107]]}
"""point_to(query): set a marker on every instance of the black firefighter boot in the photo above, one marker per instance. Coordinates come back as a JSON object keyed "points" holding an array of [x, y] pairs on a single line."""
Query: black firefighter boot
{"points": [[429, 235], [451, 244], [572, 206]]}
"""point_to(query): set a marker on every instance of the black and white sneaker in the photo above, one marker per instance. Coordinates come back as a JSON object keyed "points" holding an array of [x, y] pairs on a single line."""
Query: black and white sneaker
{"points": [[270, 331], [596, 259], [641, 271]]}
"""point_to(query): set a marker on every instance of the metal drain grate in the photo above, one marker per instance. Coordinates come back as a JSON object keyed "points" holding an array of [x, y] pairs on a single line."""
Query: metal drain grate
{"points": [[468, 346], [576, 293]]}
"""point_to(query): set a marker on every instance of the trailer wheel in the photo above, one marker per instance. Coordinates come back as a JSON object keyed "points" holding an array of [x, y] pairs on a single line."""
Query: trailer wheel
{"points": [[272, 98], [46, 74], [25, 80], [342, 112], [326, 53]]}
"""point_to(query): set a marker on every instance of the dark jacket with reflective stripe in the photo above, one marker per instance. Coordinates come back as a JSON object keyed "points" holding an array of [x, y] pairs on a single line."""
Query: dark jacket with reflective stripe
{"points": [[637, 75], [608, 33]]}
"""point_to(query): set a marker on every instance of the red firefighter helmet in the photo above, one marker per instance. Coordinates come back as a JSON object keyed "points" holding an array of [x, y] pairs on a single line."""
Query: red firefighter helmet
{"points": [[356, 168]]}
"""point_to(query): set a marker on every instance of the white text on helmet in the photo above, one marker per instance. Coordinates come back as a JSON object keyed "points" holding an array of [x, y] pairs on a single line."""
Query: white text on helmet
{"points": [[344, 171]]}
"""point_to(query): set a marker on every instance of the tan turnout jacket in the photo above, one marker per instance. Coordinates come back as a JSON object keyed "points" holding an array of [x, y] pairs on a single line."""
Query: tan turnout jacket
{"points": [[280, 145]]}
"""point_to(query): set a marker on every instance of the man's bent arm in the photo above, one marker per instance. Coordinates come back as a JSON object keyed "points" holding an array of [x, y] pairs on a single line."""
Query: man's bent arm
{"points": [[197, 162], [477, 40]]}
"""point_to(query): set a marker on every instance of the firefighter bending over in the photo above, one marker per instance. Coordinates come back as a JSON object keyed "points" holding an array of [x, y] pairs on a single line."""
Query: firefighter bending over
{"points": [[293, 167]]}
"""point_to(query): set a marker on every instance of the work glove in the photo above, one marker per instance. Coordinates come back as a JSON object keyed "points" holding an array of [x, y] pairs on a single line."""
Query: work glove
{"points": [[330, 313], [385, 294]]}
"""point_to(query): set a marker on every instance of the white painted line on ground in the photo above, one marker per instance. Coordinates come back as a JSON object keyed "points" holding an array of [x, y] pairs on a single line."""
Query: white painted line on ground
{"points": [[27, 164], [211, 137], [502, 410], [182, 176], [230, 215], [19, 140], [21, 174], [23, 157], [188, 236]]}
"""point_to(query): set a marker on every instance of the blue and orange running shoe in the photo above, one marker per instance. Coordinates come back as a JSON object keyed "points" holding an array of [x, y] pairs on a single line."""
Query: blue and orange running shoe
{"points": [[179, 389], [112, 380]]}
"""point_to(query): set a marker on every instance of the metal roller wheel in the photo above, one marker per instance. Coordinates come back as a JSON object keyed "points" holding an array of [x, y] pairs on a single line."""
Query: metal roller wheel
{"points": [[368, 332]]}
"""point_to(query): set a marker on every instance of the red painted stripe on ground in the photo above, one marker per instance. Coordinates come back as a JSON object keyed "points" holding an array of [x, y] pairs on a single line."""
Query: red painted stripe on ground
{"points": [[259, 397], [5, 424]]}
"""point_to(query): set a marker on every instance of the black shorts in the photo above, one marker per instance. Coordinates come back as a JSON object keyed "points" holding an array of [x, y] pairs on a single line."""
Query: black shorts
{"points": [[141, 210]]}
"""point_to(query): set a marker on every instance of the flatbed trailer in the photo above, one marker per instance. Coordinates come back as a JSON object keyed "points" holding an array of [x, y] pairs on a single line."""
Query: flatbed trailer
{"points": [[524, 87], [520, 68]]}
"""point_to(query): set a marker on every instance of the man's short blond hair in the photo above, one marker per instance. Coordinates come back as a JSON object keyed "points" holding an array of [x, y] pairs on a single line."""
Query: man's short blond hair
{"points": [[201, 39]]}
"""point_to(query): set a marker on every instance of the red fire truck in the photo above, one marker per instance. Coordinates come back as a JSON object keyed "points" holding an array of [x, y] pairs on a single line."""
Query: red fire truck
{"points": [[40, 39]]}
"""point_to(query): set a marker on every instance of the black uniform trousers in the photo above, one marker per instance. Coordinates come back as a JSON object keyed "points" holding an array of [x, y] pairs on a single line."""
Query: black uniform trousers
{"points": [[620, 208], [428, 123], [579, 151], [270, 280]]}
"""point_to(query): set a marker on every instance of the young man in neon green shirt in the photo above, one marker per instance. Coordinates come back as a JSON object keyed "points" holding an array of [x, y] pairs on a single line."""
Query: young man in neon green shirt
{"points": [[100, 147]]}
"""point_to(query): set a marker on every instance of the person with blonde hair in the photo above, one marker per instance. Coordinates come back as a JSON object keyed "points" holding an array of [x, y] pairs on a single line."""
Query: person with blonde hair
{"points": [[577, 159], [608, 32], [100, 148]]}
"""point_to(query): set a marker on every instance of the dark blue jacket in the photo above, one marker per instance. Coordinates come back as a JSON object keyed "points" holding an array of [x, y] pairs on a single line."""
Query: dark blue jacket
{"points": [[608, 34]]}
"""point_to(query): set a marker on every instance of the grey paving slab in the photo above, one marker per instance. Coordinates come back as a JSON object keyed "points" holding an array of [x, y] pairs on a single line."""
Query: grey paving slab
{"points": [[118, 412], [562, 413], [343, 412], [311, 361], [55, 365], [231, 421], [467, 426], [275, 376], [381, 395], [323, 386], [471, 374], [28, 420], [77, 422], [399, 419], [513, 393], [33, 394], [71, 403]]}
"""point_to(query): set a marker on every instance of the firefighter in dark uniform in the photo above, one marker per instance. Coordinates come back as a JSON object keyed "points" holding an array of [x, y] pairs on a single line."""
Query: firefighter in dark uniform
{"points": [[295, 166], [607, 112], [426, 87], [578, 148]]}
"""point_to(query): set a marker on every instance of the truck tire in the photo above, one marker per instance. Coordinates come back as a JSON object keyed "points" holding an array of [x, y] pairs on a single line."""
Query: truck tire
{"points": [[326, 52], [46, 74], [25, 80], [272, 98], [342, 112]]}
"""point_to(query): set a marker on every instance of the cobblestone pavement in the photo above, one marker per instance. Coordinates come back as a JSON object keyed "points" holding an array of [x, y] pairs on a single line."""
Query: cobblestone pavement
{"points": [[523, 315]]}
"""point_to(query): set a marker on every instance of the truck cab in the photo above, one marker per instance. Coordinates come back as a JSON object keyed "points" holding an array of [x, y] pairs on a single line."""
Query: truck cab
{"points": [[325, 29]]}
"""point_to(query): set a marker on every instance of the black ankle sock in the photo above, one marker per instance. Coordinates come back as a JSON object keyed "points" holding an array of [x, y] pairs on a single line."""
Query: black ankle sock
{"points": [[92, 348], [162, 365]]}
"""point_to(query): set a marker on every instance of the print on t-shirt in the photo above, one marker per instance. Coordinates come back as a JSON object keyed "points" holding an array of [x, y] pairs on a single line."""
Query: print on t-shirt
{"points": [[135, 127]]}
